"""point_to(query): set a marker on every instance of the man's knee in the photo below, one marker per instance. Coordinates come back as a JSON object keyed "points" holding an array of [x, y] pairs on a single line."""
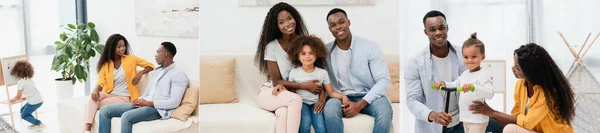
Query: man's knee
{"points": [[333, 108], [383, 109]]}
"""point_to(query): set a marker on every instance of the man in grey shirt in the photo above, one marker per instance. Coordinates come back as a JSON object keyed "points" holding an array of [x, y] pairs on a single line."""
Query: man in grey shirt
{"points": [[441, 61]]}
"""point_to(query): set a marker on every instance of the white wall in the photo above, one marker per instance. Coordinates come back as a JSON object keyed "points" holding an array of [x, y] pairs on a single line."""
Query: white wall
{"points": [[118, 16], [11, 28], [575, 19], [227, 28], [42, 25]]}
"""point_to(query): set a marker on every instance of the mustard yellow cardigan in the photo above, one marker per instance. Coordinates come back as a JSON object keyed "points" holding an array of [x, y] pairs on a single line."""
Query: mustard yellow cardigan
{"points": [[129, 64], [538, 118]]}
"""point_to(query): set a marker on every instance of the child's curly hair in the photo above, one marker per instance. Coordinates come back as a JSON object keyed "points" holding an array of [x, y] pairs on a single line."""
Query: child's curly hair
{"points": [[315, 44], [22, 70]]}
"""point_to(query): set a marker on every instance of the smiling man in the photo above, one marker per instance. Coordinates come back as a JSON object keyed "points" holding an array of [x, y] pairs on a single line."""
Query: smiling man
{"points": [[358, 70], [440, 61]]}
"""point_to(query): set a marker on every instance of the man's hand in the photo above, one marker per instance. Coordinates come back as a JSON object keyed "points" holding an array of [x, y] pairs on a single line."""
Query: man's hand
{"points": [[141, 103], [345, 101], [352, 108], [278, 88], [312, 86], [441, 118], [437, 85], [137, 78]]}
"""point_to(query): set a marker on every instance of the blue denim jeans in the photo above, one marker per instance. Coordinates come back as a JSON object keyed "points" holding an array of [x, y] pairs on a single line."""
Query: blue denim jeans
{"points": [[308, 117], [493, 126], [129, 116], [380, 109], [26, 111]]}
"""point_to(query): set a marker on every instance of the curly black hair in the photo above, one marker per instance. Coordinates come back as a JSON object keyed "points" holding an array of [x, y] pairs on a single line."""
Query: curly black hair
{"points": [[539, 69], [270, 31], [110, 49], [315, 44]]}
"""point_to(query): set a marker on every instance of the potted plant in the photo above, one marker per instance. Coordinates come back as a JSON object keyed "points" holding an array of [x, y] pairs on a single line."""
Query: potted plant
{"points": [[78, 43]]}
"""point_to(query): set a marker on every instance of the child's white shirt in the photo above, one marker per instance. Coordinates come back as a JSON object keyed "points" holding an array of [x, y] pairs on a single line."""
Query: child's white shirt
{"points": [[483, 90], [298, 75], [30, 91]]}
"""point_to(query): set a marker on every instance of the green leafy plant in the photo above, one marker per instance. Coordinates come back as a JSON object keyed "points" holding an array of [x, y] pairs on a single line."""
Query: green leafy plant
{"points": [[77, 44]]}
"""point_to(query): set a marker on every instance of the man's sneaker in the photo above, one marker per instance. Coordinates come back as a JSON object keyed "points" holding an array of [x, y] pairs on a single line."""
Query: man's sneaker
{"points": [[38, 127]]}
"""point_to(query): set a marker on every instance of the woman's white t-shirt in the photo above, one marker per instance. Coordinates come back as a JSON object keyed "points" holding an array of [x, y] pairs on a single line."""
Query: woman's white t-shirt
{"points": [[120, 82], [30, 91], [274, 52]]}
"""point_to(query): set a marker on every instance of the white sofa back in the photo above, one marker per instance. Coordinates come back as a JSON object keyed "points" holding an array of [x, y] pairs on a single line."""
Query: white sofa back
{"points": [[248, 79]]}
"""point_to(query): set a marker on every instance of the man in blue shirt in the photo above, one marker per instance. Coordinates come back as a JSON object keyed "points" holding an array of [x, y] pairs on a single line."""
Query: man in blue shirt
{"points": [[164, 93], [357, 69], [441, 61]]}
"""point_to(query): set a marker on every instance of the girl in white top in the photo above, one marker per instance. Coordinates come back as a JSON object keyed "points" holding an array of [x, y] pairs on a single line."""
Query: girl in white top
{"points": [[309, 56], [23, 71], [473, 52]]}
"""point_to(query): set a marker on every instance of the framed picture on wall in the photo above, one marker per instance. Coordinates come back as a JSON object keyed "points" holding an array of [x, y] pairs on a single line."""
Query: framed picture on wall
{"points": [[305, 2], [167, 18]]}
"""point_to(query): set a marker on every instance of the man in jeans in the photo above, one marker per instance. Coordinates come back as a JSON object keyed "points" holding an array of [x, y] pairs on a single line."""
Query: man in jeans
{"points": [[164, 94], [358, 70]]}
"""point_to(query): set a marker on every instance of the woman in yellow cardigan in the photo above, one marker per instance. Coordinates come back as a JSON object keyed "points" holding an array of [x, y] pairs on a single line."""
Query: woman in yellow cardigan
{"points": [[544, 101], [118, 77]]}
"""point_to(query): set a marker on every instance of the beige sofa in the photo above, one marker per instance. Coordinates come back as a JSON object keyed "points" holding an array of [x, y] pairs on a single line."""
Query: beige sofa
{"points": [[246, 117], [71, 115]]}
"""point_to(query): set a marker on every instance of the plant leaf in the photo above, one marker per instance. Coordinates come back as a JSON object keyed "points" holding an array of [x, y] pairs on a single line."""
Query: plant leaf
{"points": [[72, 81], [71, 26], [79, 71], [99, 48], [91, 25], [80, 26], [59, 44], [94, 35], [69, 51], [63, 37]]}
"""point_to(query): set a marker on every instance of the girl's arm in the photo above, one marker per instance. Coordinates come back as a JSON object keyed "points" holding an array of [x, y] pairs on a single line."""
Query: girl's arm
{"points": [[275, 75], [333, 93], [17, 97]]}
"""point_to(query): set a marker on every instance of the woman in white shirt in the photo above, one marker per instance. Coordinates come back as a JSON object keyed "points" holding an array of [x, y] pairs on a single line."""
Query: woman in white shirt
{"points": [[282, 24]]}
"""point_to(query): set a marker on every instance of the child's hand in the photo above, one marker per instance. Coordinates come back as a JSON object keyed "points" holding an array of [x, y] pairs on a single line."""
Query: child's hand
{"points": [[437, 85], [23, 98], [319, 106], [467, 87]]}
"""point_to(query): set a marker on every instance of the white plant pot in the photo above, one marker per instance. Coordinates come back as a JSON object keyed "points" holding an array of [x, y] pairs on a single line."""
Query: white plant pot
{"points": [[64, 89]]}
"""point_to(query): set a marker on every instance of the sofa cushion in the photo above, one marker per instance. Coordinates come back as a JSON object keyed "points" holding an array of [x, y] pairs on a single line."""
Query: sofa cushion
{"points": [[217, 82], [394, 92], [188, 104], [235, 118]]}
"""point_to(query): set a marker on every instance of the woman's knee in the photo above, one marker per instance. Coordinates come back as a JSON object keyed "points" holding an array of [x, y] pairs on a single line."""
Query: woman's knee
{"points": [[281, 112], [510, 128]]}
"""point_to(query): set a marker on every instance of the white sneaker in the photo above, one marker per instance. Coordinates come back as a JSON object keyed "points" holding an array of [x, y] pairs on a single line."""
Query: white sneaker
{"points": [[38, 127], [30, 126], [87, 132]]}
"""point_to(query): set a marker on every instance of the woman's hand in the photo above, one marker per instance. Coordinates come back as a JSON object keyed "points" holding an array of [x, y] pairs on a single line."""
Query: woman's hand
{"points": [[278, 88], [319, 106], [137, 78], [312, 86], [96, 93], [481, 108]]}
